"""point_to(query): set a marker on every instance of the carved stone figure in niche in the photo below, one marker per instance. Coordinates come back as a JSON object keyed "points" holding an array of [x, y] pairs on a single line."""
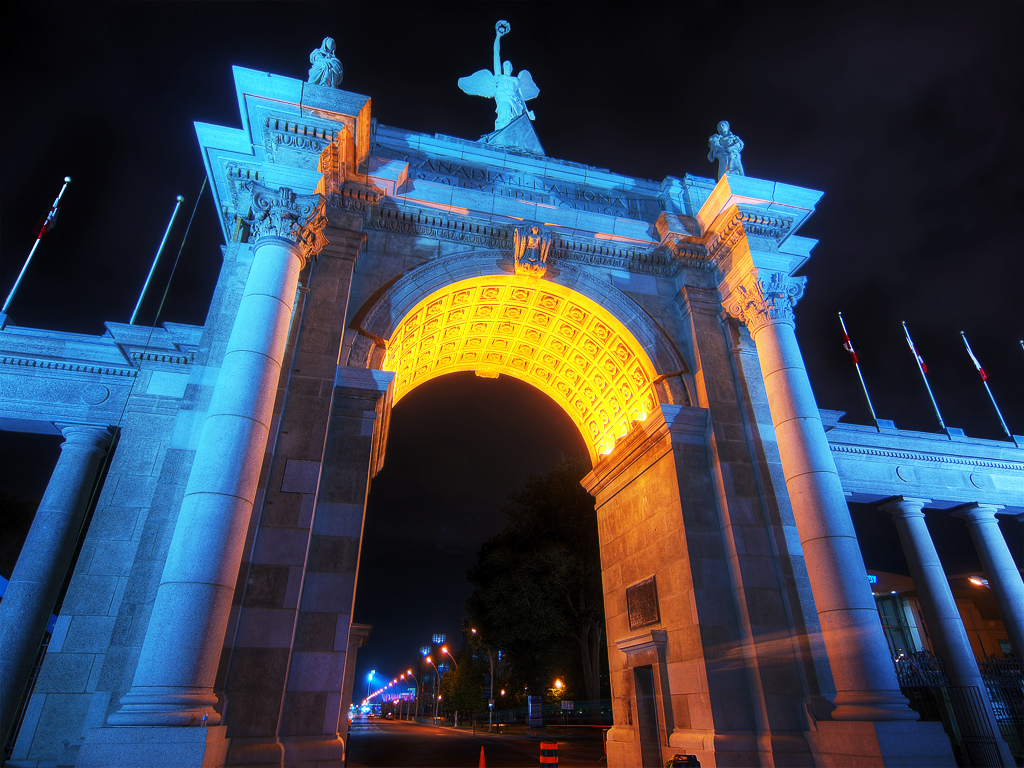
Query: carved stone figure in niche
{"points": [[510, 93], [325, 69], [725, 146], [531, 251]]}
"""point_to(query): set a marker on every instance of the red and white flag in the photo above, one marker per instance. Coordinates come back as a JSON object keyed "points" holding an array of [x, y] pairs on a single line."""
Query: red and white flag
{"points": [[977, 364], [848, 346], [920, 360], [49, 221], [847, 343]]}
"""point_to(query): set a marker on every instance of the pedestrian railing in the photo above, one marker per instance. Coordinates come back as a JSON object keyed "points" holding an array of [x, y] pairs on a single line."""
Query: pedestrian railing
{"points": [[962, 709]]}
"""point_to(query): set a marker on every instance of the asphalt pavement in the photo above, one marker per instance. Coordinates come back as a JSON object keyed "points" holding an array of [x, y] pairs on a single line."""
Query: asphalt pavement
{"points": [[377, 743]]}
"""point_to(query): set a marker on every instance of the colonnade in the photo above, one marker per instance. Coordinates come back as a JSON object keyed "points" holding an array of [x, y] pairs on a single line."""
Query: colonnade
{"points": [[945, 626]]}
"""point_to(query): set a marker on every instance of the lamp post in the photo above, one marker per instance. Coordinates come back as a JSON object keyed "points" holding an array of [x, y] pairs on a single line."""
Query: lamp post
{"points": [[436, 681], [455, 718], [369, 682], [490, 699], [444, 649], [416, 700]]}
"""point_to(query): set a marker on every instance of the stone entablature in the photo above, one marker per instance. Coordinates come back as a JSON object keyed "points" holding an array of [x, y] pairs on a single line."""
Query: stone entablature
{"points": [[533, 180], [55, 376], [876, 465], [292, 132]]}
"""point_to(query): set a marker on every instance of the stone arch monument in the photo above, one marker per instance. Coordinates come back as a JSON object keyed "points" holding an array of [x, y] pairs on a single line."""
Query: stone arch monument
{"points": [[209, 616]]}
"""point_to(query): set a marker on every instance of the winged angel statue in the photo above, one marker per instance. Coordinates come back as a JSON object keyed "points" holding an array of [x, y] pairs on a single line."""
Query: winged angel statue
{"points": [[509, 92]]}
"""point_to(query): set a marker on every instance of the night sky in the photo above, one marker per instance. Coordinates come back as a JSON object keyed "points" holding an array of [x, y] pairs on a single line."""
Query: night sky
{"points": [[907, 116]]}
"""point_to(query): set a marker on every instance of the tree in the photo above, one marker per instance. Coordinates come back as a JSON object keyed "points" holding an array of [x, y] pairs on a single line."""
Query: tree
{"points": [[462, 687], [538, 589]]}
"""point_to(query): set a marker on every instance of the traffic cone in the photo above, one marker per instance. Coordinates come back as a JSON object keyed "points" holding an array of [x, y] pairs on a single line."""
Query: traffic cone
{"points": [[482, 763]]}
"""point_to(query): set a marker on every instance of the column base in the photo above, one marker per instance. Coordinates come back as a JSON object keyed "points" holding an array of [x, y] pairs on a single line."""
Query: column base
{"points": [[740, 748], [885, 744], [857, 706], [154, 746], [166, 706]]}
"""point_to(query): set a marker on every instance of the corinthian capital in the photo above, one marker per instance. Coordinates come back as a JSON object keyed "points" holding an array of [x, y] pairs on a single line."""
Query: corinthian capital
{"points": [[762, 297], [281, 213]]}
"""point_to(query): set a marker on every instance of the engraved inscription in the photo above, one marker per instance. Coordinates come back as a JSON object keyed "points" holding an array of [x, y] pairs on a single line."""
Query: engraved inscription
{"points": [[521, 186], [642, 604]]}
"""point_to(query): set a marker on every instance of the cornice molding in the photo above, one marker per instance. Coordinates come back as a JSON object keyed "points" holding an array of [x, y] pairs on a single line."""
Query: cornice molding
{"points": [[278, 133], [951, 461], [63, 365], [738, 223]]}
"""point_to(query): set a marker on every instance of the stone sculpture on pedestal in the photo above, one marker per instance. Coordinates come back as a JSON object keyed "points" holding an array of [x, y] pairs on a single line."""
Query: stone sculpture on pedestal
{"points": [[509, 92], [325, 69], [725, 146]]}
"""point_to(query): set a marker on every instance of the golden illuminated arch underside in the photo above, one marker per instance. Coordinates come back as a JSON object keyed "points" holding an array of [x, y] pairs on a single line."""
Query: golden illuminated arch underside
{"points": [[547, 335]]}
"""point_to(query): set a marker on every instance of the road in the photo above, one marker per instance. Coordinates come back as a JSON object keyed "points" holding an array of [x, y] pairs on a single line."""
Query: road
{"points": [[376, 743]]}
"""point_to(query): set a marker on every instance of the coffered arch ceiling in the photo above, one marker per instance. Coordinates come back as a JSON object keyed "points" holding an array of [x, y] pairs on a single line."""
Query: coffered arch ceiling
{"points": [[546, 334]]}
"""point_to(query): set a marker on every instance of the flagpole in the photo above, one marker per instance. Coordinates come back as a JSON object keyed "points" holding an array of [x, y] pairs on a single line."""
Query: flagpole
{"points": [[924, 378], [159, 251], [56, 203], [984, 380], [856, 364]]}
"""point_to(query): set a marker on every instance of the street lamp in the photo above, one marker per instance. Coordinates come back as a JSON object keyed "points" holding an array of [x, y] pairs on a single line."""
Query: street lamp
{"points": [[416, 701], [436, 681], [444, 649], [490, 700], [369, 681]]}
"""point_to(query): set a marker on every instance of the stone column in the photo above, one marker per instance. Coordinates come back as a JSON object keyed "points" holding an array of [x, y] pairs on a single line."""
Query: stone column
{"points": [[945, 626], [44, 561], [174, 679], [866, 686], [1003, 576]]}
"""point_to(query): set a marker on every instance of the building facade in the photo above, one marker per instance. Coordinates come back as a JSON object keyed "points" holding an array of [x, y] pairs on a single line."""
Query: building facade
{"points": [[209, 618]]}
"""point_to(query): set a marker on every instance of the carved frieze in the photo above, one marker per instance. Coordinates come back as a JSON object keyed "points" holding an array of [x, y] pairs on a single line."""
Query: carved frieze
{"points": [[296, 140], [651, 260], [762, 297], [520, 185]]}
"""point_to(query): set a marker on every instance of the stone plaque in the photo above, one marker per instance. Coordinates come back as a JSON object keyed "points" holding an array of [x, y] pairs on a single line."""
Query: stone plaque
{"points": [[642, 604]]}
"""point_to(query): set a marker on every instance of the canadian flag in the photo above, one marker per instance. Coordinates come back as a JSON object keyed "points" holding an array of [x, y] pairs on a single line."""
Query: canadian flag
{"points": [[49, 221], [977, 364], [920, 360], [848, 346]]}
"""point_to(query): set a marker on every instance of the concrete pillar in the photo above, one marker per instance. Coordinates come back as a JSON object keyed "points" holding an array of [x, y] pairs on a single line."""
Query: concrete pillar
{"points": [[945, 626], [44, 561], [1004, 578], [174, 679], [866, 685]]}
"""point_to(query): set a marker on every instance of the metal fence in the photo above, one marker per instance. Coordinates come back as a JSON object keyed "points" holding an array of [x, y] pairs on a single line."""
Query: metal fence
{"points": [[1004, 679], [963, 711]]}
